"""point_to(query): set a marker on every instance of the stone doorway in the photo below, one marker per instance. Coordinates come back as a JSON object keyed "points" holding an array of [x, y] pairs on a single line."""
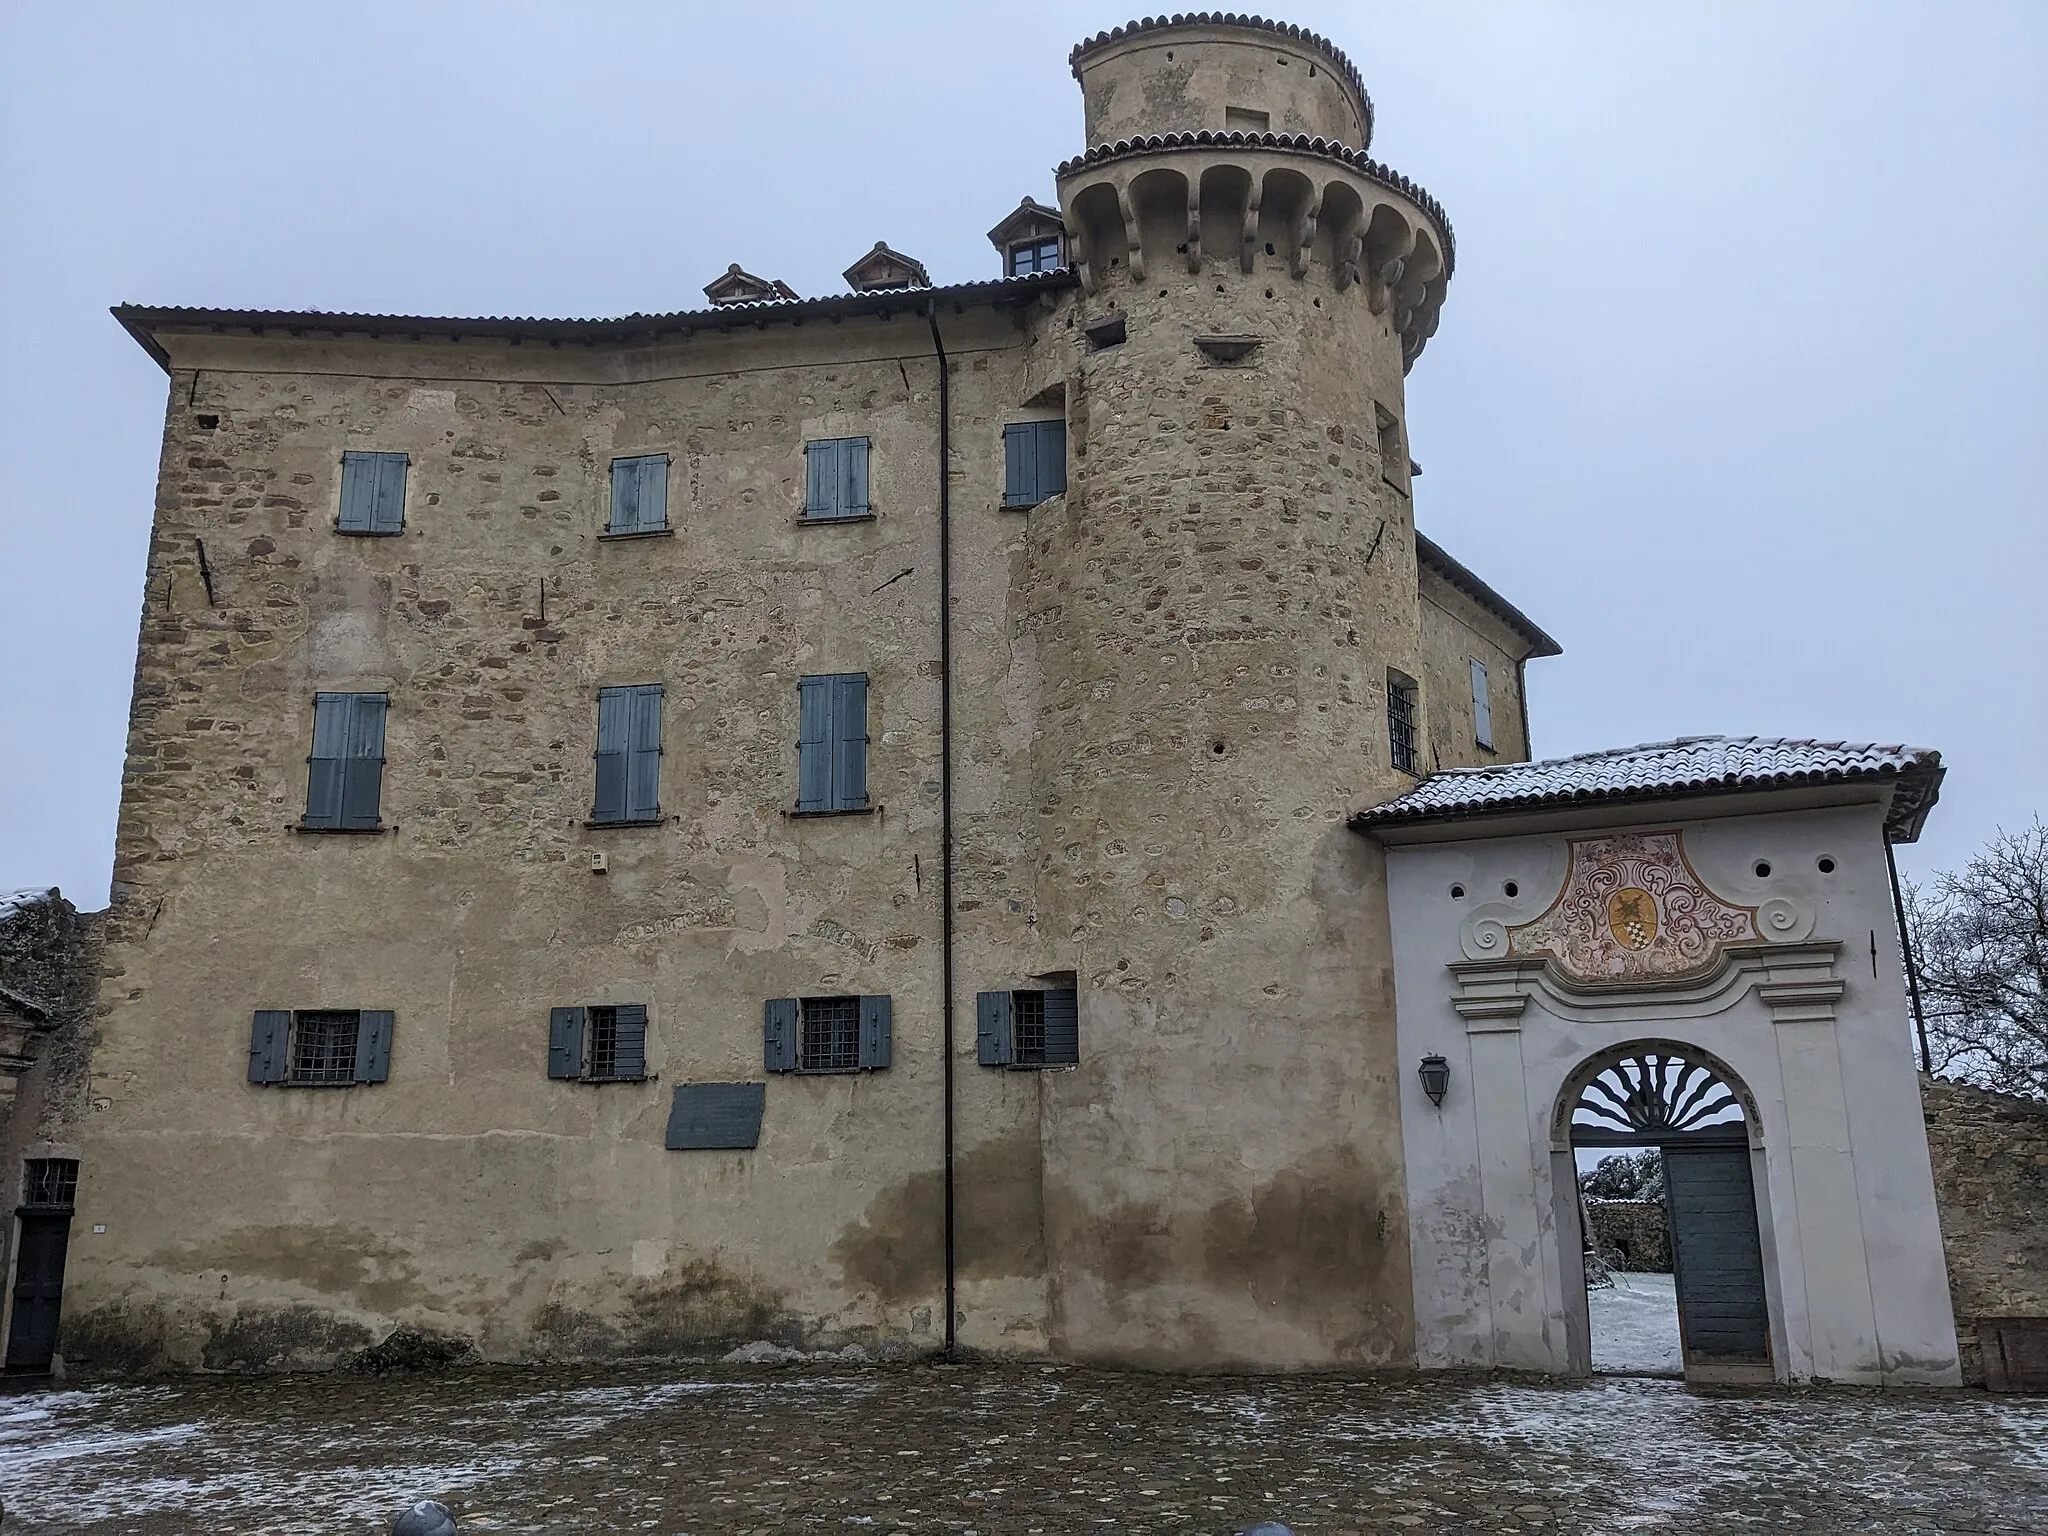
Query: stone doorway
{"points": [[1680, 1102]]}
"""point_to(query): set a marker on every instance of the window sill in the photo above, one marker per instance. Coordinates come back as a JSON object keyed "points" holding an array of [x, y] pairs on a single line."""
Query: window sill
{"points": [[1038, 1066], [370, 533], [1026, 506], [852, 517], [865, 810], [606, 826], [377, 831], [636, 533], [603, 1082]]}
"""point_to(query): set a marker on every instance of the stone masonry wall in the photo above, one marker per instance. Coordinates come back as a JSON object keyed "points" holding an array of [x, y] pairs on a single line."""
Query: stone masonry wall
{"points": [[1990, 1154]]}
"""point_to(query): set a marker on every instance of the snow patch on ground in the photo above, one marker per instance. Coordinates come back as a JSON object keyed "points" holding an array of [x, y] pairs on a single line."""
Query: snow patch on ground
{"points": [[1635, 1325]]}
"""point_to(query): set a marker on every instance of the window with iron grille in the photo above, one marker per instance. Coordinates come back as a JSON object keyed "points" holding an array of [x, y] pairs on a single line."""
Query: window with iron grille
{"points": [[602, 1043], [1034, 256], [1401, 724], [828, 1034], [324, 1047], [50, 1181], [1028, 1028]]}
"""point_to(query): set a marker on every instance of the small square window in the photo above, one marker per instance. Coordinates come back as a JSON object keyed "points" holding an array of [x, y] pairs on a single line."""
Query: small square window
{"points": [[836, 479], [324, 1047], [1030, 1028], [828, 1036], [50, 1182], [639, 494], [1034, 461], [372, 493], [1031, 256], [1401, 723], [601, 1043]]}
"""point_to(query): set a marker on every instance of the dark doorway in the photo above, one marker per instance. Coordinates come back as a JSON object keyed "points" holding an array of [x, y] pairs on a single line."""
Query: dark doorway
{"points": [[1654, 1096], [50, 1187]]}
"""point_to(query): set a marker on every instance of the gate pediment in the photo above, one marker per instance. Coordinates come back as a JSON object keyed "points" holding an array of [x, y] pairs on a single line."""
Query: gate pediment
{"points": [[1632, 909]]}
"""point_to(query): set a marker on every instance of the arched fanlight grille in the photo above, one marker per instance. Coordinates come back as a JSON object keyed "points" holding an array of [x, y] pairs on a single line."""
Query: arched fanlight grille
{"points": [[1656, 1093]]}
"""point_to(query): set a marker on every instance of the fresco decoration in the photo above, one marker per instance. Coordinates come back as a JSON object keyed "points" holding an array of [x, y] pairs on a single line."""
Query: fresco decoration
{"points": [[1632, 910]]}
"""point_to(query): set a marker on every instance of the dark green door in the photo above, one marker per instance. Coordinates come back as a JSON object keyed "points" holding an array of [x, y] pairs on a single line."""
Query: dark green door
{"points": [[38, 1291], [1716, 1255]]}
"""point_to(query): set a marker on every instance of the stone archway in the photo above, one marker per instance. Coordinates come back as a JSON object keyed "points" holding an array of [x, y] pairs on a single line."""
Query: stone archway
{"points": [[1700, 1117]]}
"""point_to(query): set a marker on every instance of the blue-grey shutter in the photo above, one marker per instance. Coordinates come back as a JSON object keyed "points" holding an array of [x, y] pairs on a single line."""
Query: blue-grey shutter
{"points": [[332, 713], [388, 513], [1020, 465], [822, 477], [877, 1032], [814, 744], [992, 1028], [778, 1034], [373, 1045], [363, 760], [639, 493], [850, 742], [716, 1117], [629, 1053], [269, 1039], [643, 761], [1052, 458], [614, 747], [1482, 708], [372, 493], [565, 1043], [1062, 1028], [853, 501]]}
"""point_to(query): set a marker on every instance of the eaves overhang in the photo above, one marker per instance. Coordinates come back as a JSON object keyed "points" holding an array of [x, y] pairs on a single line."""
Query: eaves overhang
{"points": [[1433, 556]]}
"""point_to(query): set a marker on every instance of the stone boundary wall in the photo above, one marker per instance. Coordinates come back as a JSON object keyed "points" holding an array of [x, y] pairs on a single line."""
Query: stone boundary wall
{"points": [[1636, 1233], [1990, 1154]]}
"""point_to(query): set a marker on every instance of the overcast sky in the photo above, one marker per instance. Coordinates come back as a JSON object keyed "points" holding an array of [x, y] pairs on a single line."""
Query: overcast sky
{"points": [[1740, 389]]}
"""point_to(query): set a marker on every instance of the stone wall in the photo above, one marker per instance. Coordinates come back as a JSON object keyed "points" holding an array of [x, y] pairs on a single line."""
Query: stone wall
{"points": [[1990, 1154], [1632, 1234]]}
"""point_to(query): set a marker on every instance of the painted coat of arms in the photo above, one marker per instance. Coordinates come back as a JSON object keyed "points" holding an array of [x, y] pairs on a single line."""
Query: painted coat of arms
{"points": [[1632, 909]]}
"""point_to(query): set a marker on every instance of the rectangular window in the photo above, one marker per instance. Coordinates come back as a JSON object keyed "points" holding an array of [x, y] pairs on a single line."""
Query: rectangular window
{"points": [[1401, 724], [50, 1182], [1393, 456], [639, 494], [836, 479], [1482, 708], [345, 773], [1246, 120], [601, 1043], [827, 1034], [320, 1047], [1034, 256], [832, 744], [1034, 462], [1030, 1028], [628, 754], [372, 493]]}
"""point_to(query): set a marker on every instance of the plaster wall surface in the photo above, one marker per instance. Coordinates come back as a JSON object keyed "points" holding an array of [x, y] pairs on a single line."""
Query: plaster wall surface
{"points": [[1847, 1215], [1186, 79]]}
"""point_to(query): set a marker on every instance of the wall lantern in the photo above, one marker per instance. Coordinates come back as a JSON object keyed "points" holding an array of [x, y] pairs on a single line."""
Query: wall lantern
{"points": [[1435, 1073]]}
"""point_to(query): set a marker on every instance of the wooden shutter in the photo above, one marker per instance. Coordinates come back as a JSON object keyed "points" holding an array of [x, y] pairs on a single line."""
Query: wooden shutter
{"points": [[823, 477], [716, 1116], [629, 1053], [877, 1042], [1482, 708], [992, 1011], [778, 1034], [1062, 1028], [1052, 458], [853, 461], [814, 744], [387, 515], [269, 1043], [614, 752], [1020, 465], [372, 493], [643, 761], [850, 742], [373, 1045], [565, 1043], [332, 713], [363, 760], [639, 494]]}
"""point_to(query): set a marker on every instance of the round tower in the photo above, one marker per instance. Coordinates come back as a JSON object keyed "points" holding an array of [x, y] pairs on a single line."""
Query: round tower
{"points": [[1222, 601]]}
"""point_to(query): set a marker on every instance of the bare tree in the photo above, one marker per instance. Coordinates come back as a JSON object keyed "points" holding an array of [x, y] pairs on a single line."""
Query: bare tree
{"points": [[1981, 939]]}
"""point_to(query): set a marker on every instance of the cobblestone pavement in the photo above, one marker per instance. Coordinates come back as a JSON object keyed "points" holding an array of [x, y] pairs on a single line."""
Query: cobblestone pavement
{"points": [[988, 1450]]}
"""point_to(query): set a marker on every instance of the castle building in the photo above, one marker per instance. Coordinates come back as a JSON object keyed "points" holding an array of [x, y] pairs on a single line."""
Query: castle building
{"points": [[947, 814]]}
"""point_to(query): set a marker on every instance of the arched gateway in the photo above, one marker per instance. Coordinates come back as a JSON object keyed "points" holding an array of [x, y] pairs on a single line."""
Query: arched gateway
{"points": [[1688, 1106]]}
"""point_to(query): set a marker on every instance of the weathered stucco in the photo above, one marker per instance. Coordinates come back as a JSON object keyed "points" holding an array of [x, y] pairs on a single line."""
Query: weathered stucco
{"points": [[1169, 689]]}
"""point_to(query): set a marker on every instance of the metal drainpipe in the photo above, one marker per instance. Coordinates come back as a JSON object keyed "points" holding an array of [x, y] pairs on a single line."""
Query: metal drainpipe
{"points": [[946, 791], [1912, 965]]}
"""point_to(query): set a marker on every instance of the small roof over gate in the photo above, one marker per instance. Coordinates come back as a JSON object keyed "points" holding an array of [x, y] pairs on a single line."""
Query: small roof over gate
{"points": [[1689, 766]]}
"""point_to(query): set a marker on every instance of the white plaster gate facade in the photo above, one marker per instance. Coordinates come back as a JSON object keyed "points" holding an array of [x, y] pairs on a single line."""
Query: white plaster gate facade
{"points": [[1729, 901]]}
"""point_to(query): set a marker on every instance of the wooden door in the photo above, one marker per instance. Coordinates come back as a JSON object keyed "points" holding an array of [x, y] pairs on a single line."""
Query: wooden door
{"points": [[1716, 1255], [38, 1290]]}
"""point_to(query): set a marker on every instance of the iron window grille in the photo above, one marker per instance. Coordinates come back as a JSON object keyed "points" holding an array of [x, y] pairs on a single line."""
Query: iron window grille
{"points": [[1034, 256], [604, 1042], [1027, 1028], [1401, 725], [324, 1047], [50, 1182], [828, 1036]]}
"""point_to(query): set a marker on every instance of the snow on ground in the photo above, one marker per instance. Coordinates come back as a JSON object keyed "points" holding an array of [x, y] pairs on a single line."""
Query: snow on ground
{"points": [[1635, 1325]]}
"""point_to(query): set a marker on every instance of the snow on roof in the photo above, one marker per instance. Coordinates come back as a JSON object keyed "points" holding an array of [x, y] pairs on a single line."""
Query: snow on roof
{"points": [[12, 902], [1691, 765]]}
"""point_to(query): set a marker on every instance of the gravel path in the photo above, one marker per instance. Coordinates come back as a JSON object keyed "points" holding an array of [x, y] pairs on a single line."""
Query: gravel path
{"points": [[988, 1450]]}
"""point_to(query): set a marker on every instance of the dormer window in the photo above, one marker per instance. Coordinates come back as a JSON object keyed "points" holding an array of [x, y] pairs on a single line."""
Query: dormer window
{"points": [[882, 269], [1031, 256], [734, 286], [1032, 239]]}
